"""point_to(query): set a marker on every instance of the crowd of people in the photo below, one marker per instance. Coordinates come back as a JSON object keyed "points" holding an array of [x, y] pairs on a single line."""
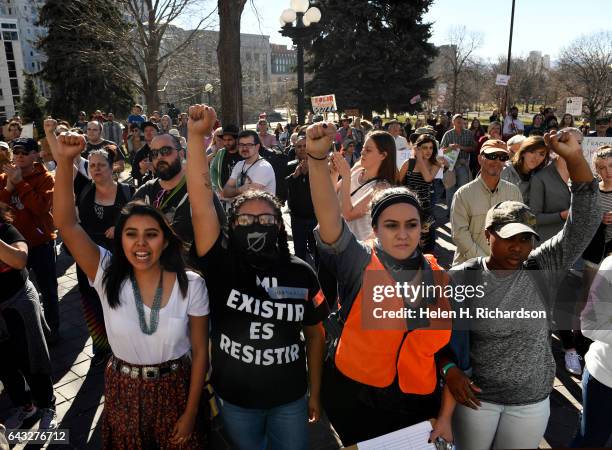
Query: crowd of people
{"points": [[187, 277]]}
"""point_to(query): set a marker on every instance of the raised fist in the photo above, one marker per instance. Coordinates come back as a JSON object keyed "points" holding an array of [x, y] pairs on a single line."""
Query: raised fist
{"points": [[563, 143], [70, 145], [202, 119], [319, 138], [50, 125]]}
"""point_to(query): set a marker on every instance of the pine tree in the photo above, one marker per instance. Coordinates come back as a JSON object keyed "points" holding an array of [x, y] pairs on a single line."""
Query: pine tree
{"points": [[31, 107], [372, 54], [78, 67]]}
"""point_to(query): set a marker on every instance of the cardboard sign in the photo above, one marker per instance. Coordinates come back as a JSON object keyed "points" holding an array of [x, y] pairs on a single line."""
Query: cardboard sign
{"points": [[590, 146], [573, 106], [502, 80], [352, 112], [323, 103]]}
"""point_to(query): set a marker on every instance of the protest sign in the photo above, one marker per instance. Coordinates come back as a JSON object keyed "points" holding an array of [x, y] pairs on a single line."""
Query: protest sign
{"points": [[590, 146], [323, 103]]}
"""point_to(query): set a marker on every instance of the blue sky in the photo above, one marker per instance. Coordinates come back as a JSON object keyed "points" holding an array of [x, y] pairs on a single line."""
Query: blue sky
{"points": [[544, 25]]}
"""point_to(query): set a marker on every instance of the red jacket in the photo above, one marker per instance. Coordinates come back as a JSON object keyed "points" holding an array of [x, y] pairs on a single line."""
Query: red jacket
{"points": [[30, 204]]}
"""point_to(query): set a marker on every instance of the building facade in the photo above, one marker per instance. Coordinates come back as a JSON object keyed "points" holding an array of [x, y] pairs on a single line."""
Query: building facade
{"points": [[25, 13], [11, 69]]}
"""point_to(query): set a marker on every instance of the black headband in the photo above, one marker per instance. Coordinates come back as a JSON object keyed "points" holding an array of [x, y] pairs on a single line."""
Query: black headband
{"points": [[400, 197]]}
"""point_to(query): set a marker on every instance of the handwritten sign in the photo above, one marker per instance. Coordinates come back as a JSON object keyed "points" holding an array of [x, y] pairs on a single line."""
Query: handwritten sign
{"points": [[323, 103], [502, 80], [573, 106], [590, 146]]}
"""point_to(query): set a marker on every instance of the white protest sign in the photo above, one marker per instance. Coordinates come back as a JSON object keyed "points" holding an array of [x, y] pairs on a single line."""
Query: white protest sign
{"points": [[590, 146], [502, 80], [573, 106], [28, 130], [323, 103]]}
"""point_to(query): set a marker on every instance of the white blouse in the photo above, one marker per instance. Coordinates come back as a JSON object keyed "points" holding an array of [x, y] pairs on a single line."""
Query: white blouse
{"points": [[170, 340]]}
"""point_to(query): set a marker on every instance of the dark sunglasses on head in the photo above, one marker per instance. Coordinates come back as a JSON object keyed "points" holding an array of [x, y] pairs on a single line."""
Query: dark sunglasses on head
{"points": [[494, 156], [164, 151], [20, 151], [262, 219]]}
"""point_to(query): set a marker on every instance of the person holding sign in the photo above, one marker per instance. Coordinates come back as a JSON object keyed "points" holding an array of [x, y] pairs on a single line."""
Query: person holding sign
{"points": [[263, 299], [377, 380]]}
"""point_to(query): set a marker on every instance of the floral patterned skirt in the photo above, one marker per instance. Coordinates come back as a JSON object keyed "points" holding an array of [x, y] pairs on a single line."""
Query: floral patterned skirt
{"points": [[140, 414]]}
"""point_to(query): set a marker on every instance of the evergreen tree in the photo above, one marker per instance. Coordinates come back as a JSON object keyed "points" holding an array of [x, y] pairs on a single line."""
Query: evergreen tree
{"points": [[79, 63], [31, 107], [372, 54]]}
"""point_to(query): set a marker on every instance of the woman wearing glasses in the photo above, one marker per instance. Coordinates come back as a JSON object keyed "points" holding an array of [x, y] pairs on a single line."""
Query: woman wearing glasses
{"points": [[531, 156], [156, 314], [263, 298]]}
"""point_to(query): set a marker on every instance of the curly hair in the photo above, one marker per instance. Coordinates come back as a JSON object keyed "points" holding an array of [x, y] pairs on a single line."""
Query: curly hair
{"points": [[283, 246]]}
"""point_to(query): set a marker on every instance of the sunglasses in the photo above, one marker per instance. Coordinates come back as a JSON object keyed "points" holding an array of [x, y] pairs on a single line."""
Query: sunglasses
{"points": [[497, 156], [20, 151], [164, 151], [249, 146], [262, 219]]}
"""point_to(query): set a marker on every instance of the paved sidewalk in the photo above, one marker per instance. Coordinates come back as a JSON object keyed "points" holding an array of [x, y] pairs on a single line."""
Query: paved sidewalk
{"points": [[79, 387]]}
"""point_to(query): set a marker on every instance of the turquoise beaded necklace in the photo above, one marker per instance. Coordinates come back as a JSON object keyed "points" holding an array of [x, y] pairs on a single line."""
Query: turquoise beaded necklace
{"points": [[155, 307]]}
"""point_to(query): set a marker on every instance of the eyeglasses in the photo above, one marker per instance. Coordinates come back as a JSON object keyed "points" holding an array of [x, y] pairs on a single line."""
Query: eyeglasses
{"points": [[20, 151], [496, 156], [249, 146], [163, 151], [262, 219]]}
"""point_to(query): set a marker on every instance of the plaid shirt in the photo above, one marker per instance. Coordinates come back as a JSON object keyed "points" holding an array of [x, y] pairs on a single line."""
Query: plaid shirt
{"points": [[466, 138]]}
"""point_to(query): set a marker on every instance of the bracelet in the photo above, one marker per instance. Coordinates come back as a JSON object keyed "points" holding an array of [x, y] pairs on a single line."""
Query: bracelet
{"points": [[317, 159], [447, 367]]}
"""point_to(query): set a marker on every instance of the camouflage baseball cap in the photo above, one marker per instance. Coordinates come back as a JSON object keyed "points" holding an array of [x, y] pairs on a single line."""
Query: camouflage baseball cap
{"points": [[510, 218]]}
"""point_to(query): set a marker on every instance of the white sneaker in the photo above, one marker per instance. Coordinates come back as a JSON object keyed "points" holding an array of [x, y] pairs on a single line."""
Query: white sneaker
{"points": [[48, 419], [572, 363], [18, 416]]}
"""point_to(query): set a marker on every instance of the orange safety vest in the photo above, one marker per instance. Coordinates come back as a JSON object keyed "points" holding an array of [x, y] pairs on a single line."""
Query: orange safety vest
{"points": [[375, 357]]}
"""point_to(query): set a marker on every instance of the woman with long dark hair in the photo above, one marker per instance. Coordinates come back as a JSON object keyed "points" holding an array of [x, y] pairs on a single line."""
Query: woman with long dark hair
{"points": [[417, 174], [380, 374], [25, 370], [264, 298], [376, 169], [156, 316]]}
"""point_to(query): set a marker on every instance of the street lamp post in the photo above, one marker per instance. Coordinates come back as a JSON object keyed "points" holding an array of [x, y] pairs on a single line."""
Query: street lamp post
{"points": [[208, 88], [303, 15]]}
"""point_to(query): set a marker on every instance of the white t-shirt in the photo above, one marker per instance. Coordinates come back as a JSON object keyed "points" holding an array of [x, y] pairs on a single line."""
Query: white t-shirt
{"points": [[260, 172], [170, 340], [402, 151], [510, 125]]}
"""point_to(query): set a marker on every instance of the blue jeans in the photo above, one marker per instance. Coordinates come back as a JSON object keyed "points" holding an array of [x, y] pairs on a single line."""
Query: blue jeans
{"points": [[41, 260], [305, 246], [278, 428], [595, 424], [463, 177]]}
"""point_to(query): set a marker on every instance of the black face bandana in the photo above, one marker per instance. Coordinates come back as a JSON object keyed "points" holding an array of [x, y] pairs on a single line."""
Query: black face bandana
{"points": [[257, 242]]}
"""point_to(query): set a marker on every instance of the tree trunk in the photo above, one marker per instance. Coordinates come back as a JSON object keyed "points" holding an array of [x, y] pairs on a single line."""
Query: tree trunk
{"points": [[455, 88], [228, 54]]}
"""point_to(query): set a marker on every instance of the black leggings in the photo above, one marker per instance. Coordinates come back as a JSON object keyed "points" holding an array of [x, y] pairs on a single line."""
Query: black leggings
{"points": [[14, 368]]}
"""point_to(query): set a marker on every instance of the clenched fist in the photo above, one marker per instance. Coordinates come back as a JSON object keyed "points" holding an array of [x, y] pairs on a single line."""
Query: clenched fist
{"points": [[563, 143], [319, 138], [202, 119], [50, 125], [70, 145]]}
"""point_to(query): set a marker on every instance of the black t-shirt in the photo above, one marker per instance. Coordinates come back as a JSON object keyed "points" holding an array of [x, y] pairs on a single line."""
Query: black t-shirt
{"points": [[96, 219], [258, 357], [229, 161], [11, 280], [299, 198]]}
